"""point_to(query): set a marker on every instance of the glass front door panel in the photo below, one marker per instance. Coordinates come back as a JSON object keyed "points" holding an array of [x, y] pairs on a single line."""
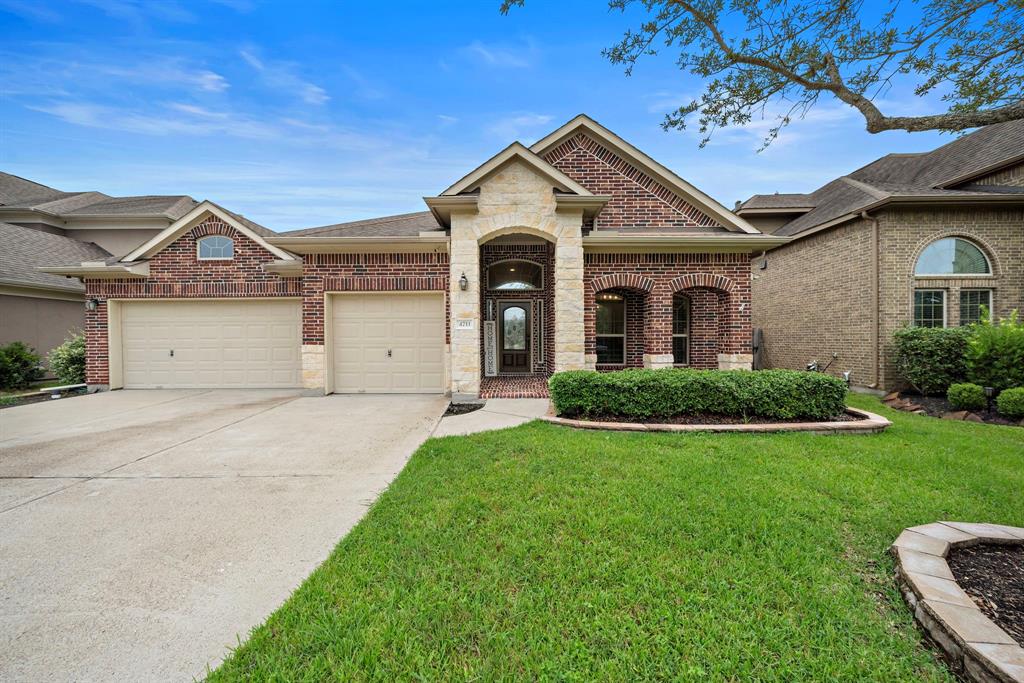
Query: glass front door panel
{"points": [[514, 327]]}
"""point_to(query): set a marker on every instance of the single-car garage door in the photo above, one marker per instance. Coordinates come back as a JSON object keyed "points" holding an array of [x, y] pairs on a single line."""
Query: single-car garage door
{"points": [[212, 344], [388, 343]]}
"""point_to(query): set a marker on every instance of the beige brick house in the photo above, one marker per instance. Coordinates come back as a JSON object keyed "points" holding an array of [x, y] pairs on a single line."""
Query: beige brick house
{"points": [[909, 239], [579, 251]]}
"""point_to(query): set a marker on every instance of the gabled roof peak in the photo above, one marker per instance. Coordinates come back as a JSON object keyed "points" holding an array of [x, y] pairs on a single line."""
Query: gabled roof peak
{"points": [[516, 151]]}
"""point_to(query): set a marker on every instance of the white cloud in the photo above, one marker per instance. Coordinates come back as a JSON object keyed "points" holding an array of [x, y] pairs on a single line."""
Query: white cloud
{"points": [[447, 120], [502, 56], [518, 126], [281, 75]]}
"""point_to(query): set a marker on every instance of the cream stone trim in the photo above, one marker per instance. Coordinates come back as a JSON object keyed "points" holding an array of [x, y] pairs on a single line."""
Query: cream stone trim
{"points": [[660, 173], [284, 268], [516, 151], [189, 220]]}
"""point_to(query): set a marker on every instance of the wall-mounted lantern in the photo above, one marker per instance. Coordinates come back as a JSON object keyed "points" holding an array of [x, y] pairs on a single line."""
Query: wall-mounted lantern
{"points": [[91, 304], [463, 282]]}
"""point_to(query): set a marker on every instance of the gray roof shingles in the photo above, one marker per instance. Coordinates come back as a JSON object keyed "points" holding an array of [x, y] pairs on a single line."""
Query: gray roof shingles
{"points": [[23, 250], [926, 174], [19, 193], [401, 225]]}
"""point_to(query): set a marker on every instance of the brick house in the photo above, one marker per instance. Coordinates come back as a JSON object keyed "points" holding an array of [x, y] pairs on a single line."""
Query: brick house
{"points": [[577, 252], [909, 239]]}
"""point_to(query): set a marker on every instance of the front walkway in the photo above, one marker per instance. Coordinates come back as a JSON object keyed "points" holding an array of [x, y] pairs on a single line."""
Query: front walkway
{"points": [[143, 533], [497, 413]]}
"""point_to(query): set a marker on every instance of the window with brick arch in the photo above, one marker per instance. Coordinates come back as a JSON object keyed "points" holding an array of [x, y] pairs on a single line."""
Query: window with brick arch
{"points": [[216, 247]]}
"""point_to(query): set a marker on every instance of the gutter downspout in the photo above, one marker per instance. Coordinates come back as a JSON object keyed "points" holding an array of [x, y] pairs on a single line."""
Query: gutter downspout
{"points": [[875, 354]]}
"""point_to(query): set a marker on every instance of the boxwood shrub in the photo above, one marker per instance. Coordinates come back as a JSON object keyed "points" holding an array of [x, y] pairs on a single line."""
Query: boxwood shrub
{"points": [[1010, 402], [646, 394], [966, 396]]}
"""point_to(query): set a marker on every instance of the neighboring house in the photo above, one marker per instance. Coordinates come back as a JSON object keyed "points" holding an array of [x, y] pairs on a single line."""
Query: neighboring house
{"points": [[39, 226], [577, 252], [910, 239]]}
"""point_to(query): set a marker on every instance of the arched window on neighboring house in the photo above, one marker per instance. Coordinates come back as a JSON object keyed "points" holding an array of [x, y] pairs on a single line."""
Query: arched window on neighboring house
{"points": [[216, 248], [951, 257]]}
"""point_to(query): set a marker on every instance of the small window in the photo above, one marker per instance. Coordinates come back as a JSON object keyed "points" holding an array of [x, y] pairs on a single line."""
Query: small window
{"points": [[975, 304], [515, 275], [216, 247], [611, 329], [952, 256], [681, 330], [929, 308]]}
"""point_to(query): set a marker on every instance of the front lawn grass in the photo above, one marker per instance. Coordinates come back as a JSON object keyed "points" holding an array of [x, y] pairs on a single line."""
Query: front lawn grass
{"points": [[542, 552]]}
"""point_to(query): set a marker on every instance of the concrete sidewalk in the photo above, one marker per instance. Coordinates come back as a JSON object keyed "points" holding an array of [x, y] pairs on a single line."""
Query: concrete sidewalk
{"points": [[497, 413]]}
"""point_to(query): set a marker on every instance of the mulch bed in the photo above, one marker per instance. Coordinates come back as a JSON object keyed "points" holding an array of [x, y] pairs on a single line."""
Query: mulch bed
{"points": [[463, 408], [993, 575], [711, 419], [937, 406]]}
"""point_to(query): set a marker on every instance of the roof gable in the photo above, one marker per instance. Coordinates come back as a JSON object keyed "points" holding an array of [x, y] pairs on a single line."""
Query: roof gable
{"points": [[516, 152], [253, 231], [660, 181]]}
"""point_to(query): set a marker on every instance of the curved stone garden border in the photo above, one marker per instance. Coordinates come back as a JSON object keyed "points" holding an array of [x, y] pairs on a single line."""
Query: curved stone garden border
{"points": [[868, 424], [973, 644]]}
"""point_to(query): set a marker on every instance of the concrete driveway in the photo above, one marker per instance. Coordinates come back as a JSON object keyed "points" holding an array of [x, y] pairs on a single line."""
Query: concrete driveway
{"points": [[142, 533]]}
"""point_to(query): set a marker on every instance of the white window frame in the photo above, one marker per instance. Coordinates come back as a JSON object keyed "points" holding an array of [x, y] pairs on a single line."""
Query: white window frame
{"points": [[597, 336], [685, 335], [945, 305], [991, 301], [199, 249]]}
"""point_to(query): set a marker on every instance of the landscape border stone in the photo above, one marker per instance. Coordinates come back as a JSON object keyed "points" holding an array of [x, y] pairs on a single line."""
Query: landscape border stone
{"points": [[868, 423], [975, 647]]}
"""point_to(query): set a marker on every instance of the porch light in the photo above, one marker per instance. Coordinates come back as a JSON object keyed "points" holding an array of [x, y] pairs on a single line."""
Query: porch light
{"points": [[91, 304], [463, 282]]}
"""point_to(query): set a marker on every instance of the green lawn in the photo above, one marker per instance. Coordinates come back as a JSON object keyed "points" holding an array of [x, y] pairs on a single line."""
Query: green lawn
{"points": [[545, 553]]}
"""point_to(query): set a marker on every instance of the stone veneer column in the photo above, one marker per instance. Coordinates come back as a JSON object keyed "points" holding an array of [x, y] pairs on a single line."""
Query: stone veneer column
{"points": [[569, 300], [313, 366], [465, 305]]}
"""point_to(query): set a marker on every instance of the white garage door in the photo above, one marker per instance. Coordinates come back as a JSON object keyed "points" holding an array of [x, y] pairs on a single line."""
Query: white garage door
{"points": [[212, 344], [388, 343]]}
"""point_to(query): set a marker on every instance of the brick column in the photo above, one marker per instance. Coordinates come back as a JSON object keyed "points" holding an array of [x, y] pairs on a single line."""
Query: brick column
{"points": [[658, 328]]}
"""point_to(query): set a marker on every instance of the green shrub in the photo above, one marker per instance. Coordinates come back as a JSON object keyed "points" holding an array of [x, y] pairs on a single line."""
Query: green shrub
{"points": [[644, 394], [1010, 402], [995, 353], [19, 366], [931, 358], [966, 396], [67, 361]]}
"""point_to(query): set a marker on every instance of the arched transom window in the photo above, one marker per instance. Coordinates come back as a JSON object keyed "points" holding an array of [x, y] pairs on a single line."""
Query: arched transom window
{"points": [[216, 247], [515, 275], [952, 256]]}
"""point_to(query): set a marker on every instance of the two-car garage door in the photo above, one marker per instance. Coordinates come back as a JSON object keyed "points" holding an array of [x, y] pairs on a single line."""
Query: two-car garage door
{"points": [[241, 343], [379, 343]]}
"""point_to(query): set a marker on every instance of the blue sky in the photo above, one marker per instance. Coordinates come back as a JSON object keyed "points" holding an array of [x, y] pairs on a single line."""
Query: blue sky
{"points": [[307, 113]]}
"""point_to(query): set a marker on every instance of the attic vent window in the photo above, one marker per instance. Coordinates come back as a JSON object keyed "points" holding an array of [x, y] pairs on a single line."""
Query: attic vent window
{"points": [[216, 248]]}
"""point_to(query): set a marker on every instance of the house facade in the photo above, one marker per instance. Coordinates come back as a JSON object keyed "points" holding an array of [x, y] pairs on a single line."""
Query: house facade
{"points": [[930, 239], [577, 252], [40, 226]]}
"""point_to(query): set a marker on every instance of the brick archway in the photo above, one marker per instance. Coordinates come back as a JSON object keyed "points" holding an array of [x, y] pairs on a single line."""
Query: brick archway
{"points": [[622, 281], [706, 280]]}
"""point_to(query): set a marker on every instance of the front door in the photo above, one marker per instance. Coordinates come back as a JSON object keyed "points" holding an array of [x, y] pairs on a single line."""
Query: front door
{"points": [[514, 327]]}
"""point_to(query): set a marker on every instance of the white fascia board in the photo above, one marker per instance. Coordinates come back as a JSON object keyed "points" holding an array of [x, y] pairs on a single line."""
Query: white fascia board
{"points": [[515, 151]]}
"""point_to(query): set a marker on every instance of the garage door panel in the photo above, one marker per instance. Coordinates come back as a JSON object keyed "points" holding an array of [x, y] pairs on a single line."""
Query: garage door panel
{"points": [[216, 343], [366, 326]]}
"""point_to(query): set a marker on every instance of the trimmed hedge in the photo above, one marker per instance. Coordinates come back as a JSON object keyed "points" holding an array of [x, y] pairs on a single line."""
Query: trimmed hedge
{"points": [[931, 358], [645, 394], [966, 397], [1010, 402]]}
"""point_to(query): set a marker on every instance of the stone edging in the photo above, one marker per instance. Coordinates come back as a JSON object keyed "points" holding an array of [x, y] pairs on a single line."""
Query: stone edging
{"points": [[975, 647], [869, 424]]}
